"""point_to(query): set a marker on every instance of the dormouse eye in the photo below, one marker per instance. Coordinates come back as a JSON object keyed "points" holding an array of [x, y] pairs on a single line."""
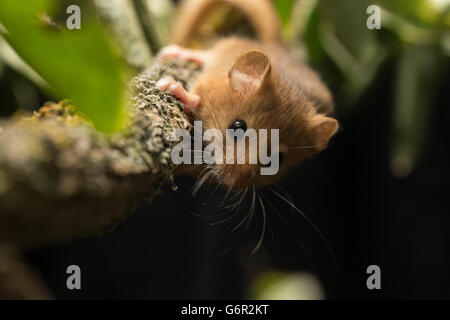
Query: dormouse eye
{"points": [[238, 124]]}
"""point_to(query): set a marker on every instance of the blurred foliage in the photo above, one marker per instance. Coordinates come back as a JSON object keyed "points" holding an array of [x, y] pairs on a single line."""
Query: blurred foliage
{"points": [[414, 100], [276, 285], [9, 56], [340, 45], [155, 17], [82, 64], [78, 64], [415, 34], [424, 12], [120, 20], [285, 8]]}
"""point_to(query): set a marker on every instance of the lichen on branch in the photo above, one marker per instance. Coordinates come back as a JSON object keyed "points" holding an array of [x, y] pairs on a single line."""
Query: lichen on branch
{"points": [[60, 178]]}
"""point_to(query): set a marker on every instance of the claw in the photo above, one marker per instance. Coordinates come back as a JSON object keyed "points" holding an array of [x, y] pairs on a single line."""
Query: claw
{"points": [[190, 100], [164, 83]]}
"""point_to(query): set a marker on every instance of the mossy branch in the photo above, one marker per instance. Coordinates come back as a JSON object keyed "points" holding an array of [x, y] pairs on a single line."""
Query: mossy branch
{"points": [[60, 178]]}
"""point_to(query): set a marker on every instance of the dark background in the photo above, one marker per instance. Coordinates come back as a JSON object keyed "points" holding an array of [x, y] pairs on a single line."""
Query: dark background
{"points": [[368, 216]]}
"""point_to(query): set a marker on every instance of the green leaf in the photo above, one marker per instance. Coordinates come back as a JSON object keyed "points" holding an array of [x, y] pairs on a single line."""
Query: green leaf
{"points": [[338, 30], [81, 65], [284, 9], [422, 12], [9, 56]]}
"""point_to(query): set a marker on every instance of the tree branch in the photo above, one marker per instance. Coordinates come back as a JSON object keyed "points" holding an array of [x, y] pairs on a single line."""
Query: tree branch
{"points": [[60, 178]]}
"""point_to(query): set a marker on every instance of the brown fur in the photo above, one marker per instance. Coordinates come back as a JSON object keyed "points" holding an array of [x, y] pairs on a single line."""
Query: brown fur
{"points": [[290, 98], [261, 83]]}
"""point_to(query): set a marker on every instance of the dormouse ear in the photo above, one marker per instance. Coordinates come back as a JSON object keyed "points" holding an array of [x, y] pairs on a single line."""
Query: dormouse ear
{"points": [[249, 70], [323, 128]]}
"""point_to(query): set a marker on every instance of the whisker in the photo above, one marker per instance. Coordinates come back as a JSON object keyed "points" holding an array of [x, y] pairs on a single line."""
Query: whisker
{"points": [[286, 194], [253, 209], [238, 235], [226, 194], [299, 242], [321, 235], [248, 215], [238, 205], [306, 147], [200, 182], [261, 238]]}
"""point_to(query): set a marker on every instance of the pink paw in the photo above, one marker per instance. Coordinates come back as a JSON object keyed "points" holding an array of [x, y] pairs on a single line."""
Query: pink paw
{"points": [[190, 100], [174, 51]]}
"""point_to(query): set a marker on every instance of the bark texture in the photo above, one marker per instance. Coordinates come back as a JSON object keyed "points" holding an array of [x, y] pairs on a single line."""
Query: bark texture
{"points": [[60, 178]]}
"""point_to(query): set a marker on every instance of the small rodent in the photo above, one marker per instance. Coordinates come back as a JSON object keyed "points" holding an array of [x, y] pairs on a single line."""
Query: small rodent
{"points": [[252, 84]]}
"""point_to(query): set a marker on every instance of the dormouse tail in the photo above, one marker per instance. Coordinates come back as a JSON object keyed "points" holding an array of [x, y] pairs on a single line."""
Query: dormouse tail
{"points": [[260, 13]]}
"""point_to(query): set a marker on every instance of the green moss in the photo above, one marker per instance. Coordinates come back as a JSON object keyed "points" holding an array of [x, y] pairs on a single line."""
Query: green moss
{"points": [[79, 180]]}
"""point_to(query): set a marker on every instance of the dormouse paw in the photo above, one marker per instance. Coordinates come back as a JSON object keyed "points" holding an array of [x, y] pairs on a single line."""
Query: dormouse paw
{"points": [[174, 51], [190, 100]]}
